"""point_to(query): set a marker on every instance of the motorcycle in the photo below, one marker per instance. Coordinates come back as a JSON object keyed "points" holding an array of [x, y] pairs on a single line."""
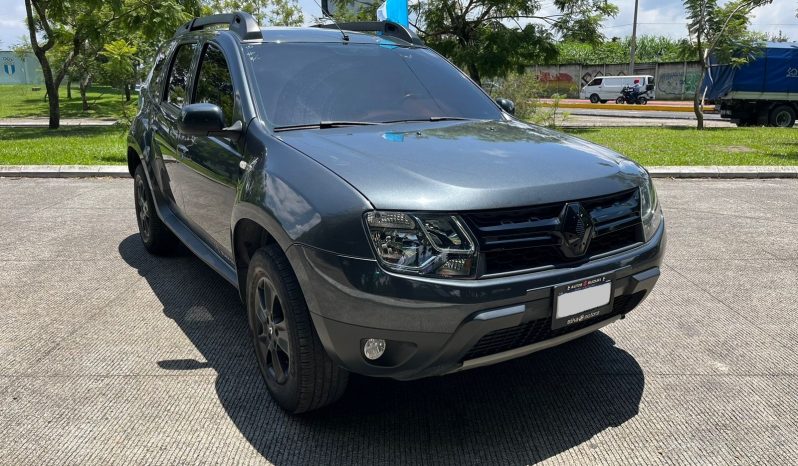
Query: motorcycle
{"points": [[628, 97]]}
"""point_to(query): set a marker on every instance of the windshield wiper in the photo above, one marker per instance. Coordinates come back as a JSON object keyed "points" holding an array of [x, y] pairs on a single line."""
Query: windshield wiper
{"points": [[434, 118], [324, 125]]}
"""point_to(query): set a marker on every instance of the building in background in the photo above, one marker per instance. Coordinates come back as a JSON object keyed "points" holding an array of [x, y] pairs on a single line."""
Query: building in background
{"points": [[15, 69]]}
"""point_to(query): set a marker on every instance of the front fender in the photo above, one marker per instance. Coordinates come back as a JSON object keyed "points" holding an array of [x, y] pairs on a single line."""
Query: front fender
{"points": [[297, 200]]}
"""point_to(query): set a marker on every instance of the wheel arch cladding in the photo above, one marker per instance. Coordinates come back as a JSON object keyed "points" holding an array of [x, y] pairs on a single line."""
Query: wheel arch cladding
{"points": [[248, 237], [133, 160]]}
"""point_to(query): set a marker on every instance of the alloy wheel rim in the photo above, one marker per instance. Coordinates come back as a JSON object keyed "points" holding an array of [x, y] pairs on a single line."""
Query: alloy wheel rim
{"points": [[782, 119], [143, 209], [271, 332]]}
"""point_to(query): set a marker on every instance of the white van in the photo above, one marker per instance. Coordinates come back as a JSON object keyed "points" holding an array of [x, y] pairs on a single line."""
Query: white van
{"points": [[604, 88]]}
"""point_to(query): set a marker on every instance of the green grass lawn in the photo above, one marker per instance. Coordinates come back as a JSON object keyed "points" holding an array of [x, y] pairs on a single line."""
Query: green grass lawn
{"points": [[65, 146], [19, 100], [687, 146], [649, 146]]}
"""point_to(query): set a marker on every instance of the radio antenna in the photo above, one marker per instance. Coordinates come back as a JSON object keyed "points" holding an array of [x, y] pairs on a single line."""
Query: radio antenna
{"points": [[326, 14]]}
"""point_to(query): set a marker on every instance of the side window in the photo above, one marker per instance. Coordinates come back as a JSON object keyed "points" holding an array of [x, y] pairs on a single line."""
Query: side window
{"points": [[214, 84], [176, 93], [595, 82], [154, 83]]}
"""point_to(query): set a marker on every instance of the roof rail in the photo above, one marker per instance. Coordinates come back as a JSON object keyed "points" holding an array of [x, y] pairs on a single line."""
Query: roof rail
{"points": [[386, 28], [240, 23]]}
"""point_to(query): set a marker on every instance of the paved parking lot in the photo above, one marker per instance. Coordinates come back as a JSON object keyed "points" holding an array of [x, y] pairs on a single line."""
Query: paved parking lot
{"points": [[109, 355]]}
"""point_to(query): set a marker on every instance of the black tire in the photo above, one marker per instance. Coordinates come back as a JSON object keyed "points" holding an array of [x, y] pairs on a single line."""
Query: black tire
{"points": [[642, 100], [594, 98], [156, 236], [783, 116], [620, 100], [295, 367]]}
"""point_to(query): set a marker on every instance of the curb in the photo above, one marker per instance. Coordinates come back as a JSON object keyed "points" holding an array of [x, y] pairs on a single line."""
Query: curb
{"points": [[725, 172], [64, 171], [42, 123], [616, 107], [120, 171]]}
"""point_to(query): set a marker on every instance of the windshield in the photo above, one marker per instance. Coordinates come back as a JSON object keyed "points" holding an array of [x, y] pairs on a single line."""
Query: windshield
{"points": [[309, 83]]}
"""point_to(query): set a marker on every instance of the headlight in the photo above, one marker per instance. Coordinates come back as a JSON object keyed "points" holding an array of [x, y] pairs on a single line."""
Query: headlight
{"points": [[649, 209], [422, 244]]}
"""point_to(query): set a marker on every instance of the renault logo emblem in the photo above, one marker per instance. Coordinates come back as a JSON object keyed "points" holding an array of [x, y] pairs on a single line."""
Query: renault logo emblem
{"points": [[577, 229]]}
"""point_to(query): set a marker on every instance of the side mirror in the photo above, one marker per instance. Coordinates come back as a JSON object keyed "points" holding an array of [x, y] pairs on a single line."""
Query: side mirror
{"points": [[507, 105], [206, 120]]}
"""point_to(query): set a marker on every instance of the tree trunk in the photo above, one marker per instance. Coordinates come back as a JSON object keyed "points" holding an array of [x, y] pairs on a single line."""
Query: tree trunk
{"points": [[84, 84], [127, 92], [50, 83], [69, 87], [474, 73], [699, 112], [52, 91]]}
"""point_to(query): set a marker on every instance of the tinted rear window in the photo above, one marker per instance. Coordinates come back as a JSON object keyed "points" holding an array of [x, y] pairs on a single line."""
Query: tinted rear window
{"points": [[177, 92], [302, 83]]}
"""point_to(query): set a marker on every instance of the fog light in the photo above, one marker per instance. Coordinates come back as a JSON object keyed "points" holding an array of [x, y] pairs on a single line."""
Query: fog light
{"points": [[373, 348]]}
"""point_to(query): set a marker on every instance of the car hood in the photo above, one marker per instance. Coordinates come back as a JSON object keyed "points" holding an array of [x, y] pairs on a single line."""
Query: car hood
{"points": [[465, 165]]}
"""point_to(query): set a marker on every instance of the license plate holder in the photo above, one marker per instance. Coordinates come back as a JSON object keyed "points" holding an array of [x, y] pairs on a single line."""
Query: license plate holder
{"points": [[578, 301]]}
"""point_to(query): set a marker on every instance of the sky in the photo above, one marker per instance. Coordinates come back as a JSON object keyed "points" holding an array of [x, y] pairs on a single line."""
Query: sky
{"points": [[656, 17]]}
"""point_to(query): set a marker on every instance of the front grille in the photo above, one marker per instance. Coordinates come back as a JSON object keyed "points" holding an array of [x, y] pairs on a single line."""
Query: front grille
{"points": [[519, 239], [539, 330]]}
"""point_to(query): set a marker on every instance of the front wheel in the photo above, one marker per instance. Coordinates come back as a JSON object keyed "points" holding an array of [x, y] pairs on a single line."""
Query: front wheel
{"points": [[619, 100], [594, 99], [298, 372]]}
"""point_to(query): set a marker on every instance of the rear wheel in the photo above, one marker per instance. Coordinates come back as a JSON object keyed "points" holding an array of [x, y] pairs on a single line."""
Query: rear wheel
{"points": [[782, 116], [594, 98], [642, 100], [157, 238], [297, 371]]}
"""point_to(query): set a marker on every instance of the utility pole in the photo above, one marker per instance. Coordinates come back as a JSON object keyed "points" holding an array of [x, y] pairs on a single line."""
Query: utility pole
{"points": [[634, 41]]}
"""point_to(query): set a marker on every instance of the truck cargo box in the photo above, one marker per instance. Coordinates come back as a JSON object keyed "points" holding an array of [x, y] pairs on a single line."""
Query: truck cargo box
{"points": [[773, 71]]}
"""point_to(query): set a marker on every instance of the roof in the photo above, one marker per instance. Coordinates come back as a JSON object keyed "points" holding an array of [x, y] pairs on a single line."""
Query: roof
{"points": [[781, 45], [244, 26]]}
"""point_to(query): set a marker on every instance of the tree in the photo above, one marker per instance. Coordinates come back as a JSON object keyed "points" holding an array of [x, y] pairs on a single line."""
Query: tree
{"points": [[649, 49], [720, 33], [273, 12], [120, 65], [65, 27], [486, 38]]}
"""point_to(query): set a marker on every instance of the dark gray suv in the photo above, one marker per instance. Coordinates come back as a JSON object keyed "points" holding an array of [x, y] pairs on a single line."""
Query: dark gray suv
{"points": [[377, 211]]}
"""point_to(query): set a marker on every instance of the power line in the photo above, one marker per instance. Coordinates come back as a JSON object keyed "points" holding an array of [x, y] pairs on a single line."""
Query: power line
{"points": [[672, 24]]}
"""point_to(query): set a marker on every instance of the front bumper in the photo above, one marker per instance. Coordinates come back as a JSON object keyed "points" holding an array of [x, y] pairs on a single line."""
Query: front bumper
{"points": [[438, 326]]}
